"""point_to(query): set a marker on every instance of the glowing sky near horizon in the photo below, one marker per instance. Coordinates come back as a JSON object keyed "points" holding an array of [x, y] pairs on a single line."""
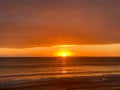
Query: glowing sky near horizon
{"points": [[72, 50], [32, 27]]}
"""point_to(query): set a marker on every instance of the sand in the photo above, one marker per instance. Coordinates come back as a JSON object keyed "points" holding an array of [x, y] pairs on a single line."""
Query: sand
{"points": [[105, 82]]}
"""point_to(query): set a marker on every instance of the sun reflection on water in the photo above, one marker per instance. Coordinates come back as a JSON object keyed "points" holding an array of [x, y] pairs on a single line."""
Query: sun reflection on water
{"points": [[64, 70]]}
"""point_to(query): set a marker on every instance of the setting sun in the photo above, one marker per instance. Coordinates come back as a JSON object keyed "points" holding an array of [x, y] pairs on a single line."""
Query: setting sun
{"points": [[64, 53]]}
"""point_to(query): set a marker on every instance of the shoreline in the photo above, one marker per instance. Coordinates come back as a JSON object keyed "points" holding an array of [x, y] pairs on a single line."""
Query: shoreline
{"points": [[64, 82]]}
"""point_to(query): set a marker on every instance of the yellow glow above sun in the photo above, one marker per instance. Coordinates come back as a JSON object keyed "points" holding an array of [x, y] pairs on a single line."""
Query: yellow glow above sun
{"points": [[64, 53]]}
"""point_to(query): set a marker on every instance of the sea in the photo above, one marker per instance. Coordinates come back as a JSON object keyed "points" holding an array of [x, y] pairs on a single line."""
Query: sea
{"points": [[18, 70]]}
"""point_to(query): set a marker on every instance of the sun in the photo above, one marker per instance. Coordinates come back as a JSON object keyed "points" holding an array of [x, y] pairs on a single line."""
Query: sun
{"points": [[64, 53]]}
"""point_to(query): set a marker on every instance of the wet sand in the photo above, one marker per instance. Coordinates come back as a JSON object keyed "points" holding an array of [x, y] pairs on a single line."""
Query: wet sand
{"points": [[66, 86], [107, 82]]}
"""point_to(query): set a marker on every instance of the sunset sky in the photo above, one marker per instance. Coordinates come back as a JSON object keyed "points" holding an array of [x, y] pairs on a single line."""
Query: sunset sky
{"points": [[46, 27]]}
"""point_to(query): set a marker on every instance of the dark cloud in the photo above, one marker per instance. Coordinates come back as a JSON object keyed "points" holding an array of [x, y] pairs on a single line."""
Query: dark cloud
{"points": [[27, 23]]}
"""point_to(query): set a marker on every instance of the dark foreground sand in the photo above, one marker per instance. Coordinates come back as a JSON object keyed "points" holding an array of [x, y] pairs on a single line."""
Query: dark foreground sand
{"points": [[69, 86], [107, 82]]}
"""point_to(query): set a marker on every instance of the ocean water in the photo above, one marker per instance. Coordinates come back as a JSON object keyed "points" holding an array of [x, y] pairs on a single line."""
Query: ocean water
{"points": [[22, 70]]}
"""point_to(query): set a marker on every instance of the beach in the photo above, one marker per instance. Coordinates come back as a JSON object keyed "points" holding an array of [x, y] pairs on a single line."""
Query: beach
{"points": [[100, 82], [60, 74]]}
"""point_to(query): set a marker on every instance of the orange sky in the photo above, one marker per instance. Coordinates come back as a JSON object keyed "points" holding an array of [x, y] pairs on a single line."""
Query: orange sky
{"points": [[39, 27], [41, 23], [75, 50]]}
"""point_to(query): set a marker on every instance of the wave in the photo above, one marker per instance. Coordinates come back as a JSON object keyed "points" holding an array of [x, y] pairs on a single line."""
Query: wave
{"points": [[61, 73]]}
